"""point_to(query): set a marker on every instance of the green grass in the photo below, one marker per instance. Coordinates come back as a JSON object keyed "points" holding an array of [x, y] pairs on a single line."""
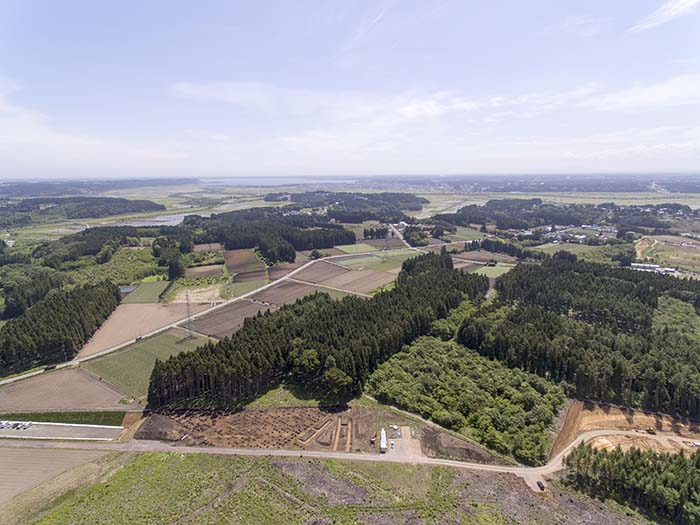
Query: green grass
{"points": [[130, 369], [162, 488], [676, 315], [148, 292], [356, 248], [109, 418], [552, 248], [494, 271], [465, 234], [247, 287], [284, 396], [125, 267]]}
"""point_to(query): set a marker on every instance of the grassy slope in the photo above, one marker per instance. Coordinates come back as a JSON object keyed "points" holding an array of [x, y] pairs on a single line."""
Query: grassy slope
{"points": [[148, 292], [130, 369]]}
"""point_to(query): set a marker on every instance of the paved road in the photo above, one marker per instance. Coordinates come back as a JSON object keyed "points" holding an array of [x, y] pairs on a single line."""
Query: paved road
{"points": [[529, 474]]}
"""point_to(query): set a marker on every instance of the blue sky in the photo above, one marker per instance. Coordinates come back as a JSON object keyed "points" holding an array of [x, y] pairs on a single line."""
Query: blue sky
{"points": [[161, 88]]}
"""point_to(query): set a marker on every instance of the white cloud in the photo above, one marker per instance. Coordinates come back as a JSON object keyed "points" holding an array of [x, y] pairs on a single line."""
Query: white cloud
{"points": [[677, 91], [667, 12]]}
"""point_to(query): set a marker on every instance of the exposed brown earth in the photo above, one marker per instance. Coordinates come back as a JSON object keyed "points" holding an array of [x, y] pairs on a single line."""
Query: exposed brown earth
{"points": [[283, 293], [62, 390], [238, 261], [226, 320], [204, 271], [278, 271], [362, 281], [320, 271], [246, 277]]}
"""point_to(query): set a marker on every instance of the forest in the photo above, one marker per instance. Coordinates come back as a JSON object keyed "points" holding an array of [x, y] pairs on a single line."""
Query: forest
{"points": [[327, 346], [664, 486], [503, 408], [354, 207], [608, 333], [47, 209], [55, 328]]}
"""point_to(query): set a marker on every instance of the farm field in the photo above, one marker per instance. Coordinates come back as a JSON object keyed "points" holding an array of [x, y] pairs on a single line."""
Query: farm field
{"points": [[552, 248], [238, 261], [148, 292], [103, 417], [242, 288], [65, 390], [130, 321], [320, 271], [356, 248], [37, 466], [204, 271], [226, 320], [361, 281], [164, 488], [392, 242], [205, 294], [484, 256], [493, 271], [358, 229], [304, 255], [130, 369], [208, 247], [465, 234], [280, 270], [283, 293]]}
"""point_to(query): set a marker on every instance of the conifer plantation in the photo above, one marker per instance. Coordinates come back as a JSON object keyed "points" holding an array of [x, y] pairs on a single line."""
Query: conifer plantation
{"points": [[54, 329], [324, 345]]}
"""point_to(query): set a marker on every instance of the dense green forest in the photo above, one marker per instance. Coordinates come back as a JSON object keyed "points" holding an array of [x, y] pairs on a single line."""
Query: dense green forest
{"points": [[506, 409], [354, 207], [665, 486], [611, 334], [47, 209], [529, 213], [328, 346], [54, 329]]}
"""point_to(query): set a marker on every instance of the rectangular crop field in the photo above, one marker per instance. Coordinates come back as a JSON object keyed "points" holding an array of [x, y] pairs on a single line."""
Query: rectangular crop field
{"points": [[356, 248], [238, 261], [320, 271], [208, 247], [568, 247], [361, 281], [465, 234], [204, 271], [146, 293], [392, 242], [280, 270], [244, 277], [493, 271], [226, 320], [284, 292], [130, 369], [242, 288]]}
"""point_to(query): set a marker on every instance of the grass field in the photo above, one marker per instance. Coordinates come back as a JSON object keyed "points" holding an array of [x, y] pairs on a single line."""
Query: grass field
{"points": [[568, 247], [243, 288], [111, 417], [356, 248], [148, 292], [130, 369], [494, 271], [465, 234]]}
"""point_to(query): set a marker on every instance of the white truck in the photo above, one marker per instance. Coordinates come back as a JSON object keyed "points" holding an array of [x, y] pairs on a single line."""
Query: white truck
{"points": [[382, 442]]}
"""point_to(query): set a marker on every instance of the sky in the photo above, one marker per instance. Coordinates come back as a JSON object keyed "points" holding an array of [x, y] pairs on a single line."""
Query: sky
{"points": [[336, 88]]}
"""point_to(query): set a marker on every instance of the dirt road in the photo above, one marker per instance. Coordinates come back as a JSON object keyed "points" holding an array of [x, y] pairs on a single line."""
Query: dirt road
{"points": [[529, 474]]}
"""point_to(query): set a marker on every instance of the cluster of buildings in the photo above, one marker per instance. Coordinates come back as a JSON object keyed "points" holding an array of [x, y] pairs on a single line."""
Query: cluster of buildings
{"points": [[654, 268]]}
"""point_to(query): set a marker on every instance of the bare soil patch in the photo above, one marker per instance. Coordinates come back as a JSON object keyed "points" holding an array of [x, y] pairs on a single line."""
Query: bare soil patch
{"points": [[208, 294], [283, 293], [247, 277], [318, 481], [362, 281], [466, 266], [130, 321], [36, 466], [242, 261], [320, 271], [208, 247], [281, 270], [391, 242], [228, 319], [584, 416], [62, 390], [439, 444], [204, 271]]}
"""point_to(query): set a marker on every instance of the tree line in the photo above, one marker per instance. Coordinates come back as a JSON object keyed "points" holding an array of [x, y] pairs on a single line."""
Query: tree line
{"points": [[497, 246], [662, 485], [328, 346], [54, 329]]}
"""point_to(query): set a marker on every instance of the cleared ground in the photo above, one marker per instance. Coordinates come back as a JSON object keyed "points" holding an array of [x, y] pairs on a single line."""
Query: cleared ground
{"points": [[206, 294], [484, 256], [226, 320], [66, 389], [493, 271], [244, 277], [242, 261], [23, 469], [569, 247], [63, 432], [146, 293], [671, 251], [280, 270], [130, 321], [204, 271], [362, 281], [391, 242], [583, 416], [130, 369], [208, 247]]}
